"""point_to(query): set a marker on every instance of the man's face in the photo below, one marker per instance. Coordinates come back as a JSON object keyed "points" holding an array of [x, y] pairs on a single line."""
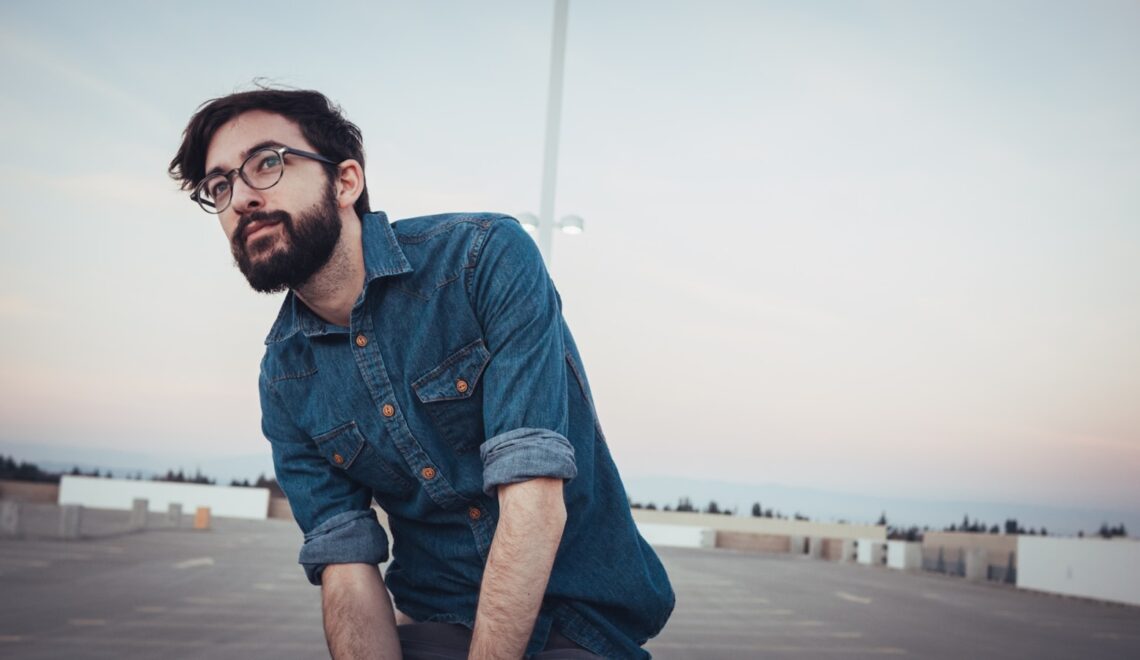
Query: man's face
{"points": [[280, 236]]}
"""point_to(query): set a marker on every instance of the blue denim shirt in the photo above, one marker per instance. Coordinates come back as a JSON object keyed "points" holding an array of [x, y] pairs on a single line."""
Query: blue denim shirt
{"points": [[456, 375]]}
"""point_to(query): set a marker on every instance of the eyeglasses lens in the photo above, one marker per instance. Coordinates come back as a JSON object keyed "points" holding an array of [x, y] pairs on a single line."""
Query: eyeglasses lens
{"points": [[262, 170]]}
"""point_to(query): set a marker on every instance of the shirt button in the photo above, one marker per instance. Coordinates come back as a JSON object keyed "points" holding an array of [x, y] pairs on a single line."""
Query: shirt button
{"points": [[388, 410], [474, 513], [461, 386], [361, 341], [428, 473], [338, 459]]}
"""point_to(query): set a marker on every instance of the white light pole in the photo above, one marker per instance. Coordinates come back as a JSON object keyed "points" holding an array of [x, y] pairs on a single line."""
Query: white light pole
{"points": [[545, 223]]}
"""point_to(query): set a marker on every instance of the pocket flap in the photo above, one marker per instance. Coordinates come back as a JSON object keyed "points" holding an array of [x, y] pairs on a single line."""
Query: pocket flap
{"points": [[456, 377], [341, 446]]}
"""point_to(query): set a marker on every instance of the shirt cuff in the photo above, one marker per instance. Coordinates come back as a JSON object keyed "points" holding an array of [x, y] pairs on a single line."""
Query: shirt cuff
{"points": [[523, 454], [352, 537]]}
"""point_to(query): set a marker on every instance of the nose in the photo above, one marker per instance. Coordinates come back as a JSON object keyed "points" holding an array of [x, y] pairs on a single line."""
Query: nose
{"points": [[245, 198]]}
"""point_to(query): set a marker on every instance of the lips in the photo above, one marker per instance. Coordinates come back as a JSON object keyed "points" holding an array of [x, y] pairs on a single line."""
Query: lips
{"points": [[256, 226]]}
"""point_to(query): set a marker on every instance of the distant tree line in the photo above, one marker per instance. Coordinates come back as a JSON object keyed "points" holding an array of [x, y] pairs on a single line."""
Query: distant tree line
{"points": [[23, 471], [685, 505], [912, 533], [181, 478], [262, 482], [1012, 527], [1109, 532]]}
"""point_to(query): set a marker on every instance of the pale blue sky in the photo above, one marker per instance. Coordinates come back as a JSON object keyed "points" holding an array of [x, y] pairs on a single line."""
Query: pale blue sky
{"points": [[886, 247]]}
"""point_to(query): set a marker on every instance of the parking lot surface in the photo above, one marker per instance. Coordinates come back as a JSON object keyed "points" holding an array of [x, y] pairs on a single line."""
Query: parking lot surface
{"points": [[235, 591]]}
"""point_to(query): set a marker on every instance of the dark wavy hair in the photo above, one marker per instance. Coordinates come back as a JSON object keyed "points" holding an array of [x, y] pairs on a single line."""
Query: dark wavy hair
{"points": [[321, 121]]}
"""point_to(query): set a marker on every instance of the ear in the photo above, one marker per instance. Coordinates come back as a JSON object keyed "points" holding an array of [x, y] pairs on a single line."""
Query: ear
{"points": [[349, 183]]}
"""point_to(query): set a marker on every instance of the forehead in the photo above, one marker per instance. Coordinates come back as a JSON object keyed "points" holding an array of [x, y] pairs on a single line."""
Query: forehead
{"points": [[231, 142]]}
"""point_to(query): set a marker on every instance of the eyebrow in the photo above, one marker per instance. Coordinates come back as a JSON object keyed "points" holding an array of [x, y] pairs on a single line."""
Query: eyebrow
{"points": [[245, 154]]}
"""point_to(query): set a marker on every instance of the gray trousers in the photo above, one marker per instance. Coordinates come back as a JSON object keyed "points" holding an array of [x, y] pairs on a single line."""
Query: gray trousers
{"points": [[450, 641]]}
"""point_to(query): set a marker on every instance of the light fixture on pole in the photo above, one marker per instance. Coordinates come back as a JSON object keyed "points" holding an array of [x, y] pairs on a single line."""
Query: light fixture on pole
{"points": [[544, 224], [569, 224]]}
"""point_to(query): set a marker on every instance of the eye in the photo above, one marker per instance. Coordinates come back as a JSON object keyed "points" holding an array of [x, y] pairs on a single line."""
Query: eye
{"points": [[218, 188], [271, 161]]}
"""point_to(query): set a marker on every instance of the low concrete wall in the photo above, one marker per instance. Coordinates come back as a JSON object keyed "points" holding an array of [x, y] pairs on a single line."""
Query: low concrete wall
{"points": [[871, 552], [904, 555], [746, 542], [761, 525], [956, 546], [27, 491], [832, 549], [1090, 568], [230, 501], [279, 508], [680, 536], [799, 545]]}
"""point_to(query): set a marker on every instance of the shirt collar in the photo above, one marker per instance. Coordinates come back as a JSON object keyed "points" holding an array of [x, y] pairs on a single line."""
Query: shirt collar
{"points": [[382, 258]]}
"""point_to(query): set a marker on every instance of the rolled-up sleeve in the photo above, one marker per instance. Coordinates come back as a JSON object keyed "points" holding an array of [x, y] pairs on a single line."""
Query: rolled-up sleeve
{"points": [[524, 454], [525, 386], [346, 538], [333, 511]]}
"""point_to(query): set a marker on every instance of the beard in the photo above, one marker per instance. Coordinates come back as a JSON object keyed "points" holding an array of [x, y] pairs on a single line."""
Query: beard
{"points": [[308, 244]]}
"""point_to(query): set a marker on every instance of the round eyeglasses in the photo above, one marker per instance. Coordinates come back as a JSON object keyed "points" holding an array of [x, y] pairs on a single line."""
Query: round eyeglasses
{"points": [[262, 170]]}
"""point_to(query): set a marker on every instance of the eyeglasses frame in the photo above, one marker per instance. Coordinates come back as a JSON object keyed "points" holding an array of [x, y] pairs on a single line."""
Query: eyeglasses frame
{"points": [[240, 171]]}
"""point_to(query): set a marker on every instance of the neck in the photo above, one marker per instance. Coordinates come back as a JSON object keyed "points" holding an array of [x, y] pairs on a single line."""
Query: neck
{"points": [[333, 290]]}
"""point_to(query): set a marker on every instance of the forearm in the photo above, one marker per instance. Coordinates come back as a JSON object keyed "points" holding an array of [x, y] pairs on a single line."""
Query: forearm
{"points": [[359, 622], [532, 515]]}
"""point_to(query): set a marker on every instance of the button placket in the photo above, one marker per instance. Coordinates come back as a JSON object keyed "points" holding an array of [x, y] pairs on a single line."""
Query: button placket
{"points": [[370, 364]]}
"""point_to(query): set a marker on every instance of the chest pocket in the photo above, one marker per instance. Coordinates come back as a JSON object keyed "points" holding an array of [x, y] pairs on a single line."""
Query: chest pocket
{"points": [[453, 398], [346, 449]]}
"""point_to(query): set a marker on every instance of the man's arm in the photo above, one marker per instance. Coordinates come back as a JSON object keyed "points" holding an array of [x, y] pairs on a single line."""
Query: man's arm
{"points": [[532, 515], [359, 622]]}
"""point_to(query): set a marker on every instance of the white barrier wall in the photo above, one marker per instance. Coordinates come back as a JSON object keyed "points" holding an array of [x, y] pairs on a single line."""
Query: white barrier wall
{"points": [[870, 552], [1091, 568], [773, 526], [904, 555], [683, 536], [225, 501]]}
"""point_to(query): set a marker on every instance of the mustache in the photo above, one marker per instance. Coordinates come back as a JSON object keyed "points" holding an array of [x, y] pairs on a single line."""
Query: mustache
{"points": [[261, 216]]}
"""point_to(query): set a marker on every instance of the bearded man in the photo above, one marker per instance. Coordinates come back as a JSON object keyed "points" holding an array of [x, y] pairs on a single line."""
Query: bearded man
{"points": [[424, 365]]}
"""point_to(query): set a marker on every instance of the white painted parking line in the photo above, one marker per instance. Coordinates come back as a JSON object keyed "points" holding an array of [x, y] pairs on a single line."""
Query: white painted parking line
{"points": [[852, 598], [194, 563]]}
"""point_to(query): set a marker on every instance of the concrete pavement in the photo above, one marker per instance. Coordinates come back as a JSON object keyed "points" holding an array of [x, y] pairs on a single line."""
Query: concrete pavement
{"points": [[236, 591]]}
